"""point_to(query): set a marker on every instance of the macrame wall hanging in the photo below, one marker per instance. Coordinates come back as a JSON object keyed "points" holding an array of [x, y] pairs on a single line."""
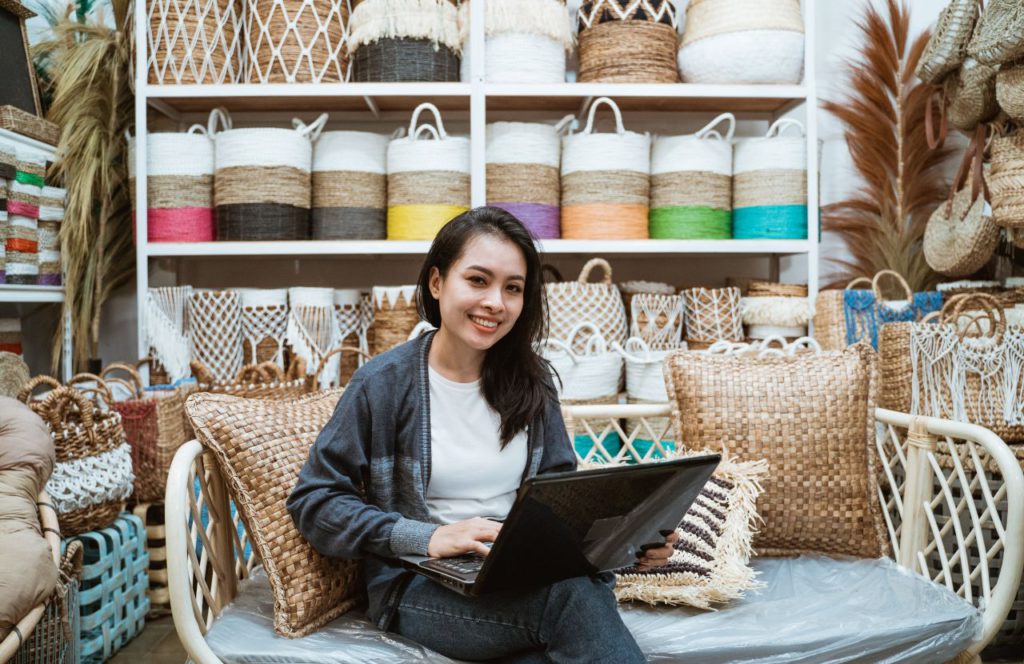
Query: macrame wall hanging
{"points": [[264, 324], [215, 332], [167, 329], [312, 329]]}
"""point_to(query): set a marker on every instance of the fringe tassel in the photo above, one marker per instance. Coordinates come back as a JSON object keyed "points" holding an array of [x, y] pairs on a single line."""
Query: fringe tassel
{"points": [[547, 18], [775, 311], [436, 20]]}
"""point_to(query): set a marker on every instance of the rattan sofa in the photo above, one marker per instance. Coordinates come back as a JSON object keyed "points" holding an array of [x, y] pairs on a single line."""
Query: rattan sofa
{"points": [[978, 554]]}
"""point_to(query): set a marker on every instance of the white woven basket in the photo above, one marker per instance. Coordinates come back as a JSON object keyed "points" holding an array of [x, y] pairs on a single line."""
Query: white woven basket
{"points": [[264, 316], [705, 151], [526, 41], [593, 373], [619, 151], [215, 331], [645, 379], [658, 320], [769, 193]]}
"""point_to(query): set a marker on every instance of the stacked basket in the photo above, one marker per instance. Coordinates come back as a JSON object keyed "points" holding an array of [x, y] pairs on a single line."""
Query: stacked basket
{"points": [[350, 186], [296, 41], [195, 41], [404, 40], [627, 41], [527, 41], [23, 194], [51, 214], [769, 194]]}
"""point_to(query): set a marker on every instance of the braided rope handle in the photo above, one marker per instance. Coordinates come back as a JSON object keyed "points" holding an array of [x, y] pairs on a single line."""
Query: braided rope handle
{"points": [[311, 130], [708, 129], [100, 389], [264, 372], [899, 279], [619, 128], [135, 386], [439, 132], [590, 265], [781, 125], [25, 395], [202, 375], [220, 116], [988, 306], [634, 346]]}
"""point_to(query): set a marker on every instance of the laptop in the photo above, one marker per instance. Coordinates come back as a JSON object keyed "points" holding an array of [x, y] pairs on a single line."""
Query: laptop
{"points": [[576, 523]]}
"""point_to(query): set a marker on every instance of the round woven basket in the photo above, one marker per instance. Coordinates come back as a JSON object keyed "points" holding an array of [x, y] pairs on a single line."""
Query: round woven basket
{"points": [[404, 40], [629, 52], [658, 320], [691, 184], [997, 37], [629, 289], [769, 185], [972, 95], [947, 46], [526, 41], [593, 373], [759, 288], [350, 186], [605, 182], [296, 41], [405, 60], [1005, 180], [1010, 89], [394, 316], [712, 314], [951, 289], [195, 41], [428, 180], [22, 233], [571, 303], [644, 380]]}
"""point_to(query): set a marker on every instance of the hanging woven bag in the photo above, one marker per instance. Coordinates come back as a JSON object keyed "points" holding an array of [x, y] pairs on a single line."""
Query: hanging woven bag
{"points": [[573, 302], [215, 331], [394, 316], [404, 40], [350, 186], [627, 41], [522, 173], [712, 314], [262, 182], [769, 185], [51, 216], [606, 181], [1010, 89], [526, 41], [1005, 181], [296, 41], [947, 45], [428, 180], [167, 333], [971, 95], [742, 41], [195, 41], [997, 36], [691, 184]]}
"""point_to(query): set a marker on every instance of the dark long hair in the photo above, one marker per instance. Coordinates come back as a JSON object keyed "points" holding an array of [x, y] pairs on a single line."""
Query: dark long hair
{"points": [[516, 380]]}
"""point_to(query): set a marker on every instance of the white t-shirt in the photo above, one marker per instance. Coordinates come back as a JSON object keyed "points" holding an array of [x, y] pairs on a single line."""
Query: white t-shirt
{"points": [[470, 475]]}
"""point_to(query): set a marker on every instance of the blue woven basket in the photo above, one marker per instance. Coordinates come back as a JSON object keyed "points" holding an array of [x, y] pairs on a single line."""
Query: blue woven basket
{"points": [[864, 315]]}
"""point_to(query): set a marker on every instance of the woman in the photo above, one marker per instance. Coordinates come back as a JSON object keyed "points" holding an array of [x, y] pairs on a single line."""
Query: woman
{"points": [[430, 442]]}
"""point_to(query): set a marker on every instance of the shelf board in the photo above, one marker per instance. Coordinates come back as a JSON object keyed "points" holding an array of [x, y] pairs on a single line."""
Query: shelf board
{"points": [[646, 96], [30, 294], [419, 248]]}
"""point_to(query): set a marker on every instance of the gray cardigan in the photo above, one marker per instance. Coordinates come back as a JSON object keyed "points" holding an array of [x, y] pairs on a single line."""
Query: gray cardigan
{"points": [[361, 494]]}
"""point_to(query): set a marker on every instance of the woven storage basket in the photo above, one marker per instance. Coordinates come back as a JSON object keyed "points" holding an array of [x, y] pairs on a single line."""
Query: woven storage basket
{"points": [[264, 324], [215, 331], [428, 181], [152, 515], [742, 41], [195, 41], [22, 122], [312, 326], [93, 474], [592, 375], [295, 41], [1010, 89], [769, 185], [154, 425], [624, 41], [629, 289], [526, 41], [55, 637], [767, 316], [167, 332], [606, 182], [1005, 180], [352, 321], [256, 381], [866, 311], [573, 302], [830, 316], [404, 40], [13, 370], [261, 186], [10, 335], [522, 173], [179, 185], [350, 186], [971, 92], [947, 46], [997, 37], [51, 215], [394, 316], [645, 383], [691, 184], [712, 314], [658, 321]]}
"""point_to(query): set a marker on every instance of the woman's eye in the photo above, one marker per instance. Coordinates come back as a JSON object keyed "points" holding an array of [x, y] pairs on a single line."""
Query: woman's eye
{"points": [[476, 280], [515, 289]]}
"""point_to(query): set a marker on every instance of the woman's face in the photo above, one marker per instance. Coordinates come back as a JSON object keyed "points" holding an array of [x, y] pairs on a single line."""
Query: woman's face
{"points": [[481, 297]]}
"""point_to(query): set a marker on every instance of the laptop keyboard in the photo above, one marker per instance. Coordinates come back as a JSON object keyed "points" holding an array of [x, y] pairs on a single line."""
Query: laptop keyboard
{"points": [[465, 564]]}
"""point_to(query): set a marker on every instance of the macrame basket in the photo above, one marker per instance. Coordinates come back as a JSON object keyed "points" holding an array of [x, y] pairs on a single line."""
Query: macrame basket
{"points": [[627, 41], [312, 326], [947, 46], [428, 180], [296, 41], [691, 184], [769, 185], [262, 179], [1005, 180], [195, 41], [742, 41], [179, 185], [215, 332], [526, 41], [658, 321], [1010, 89], [997, 37], [404, 40], [51, 215], [630, 289], [712, 314], [350, 186], [394, 316], [866, 311], [353, 322], [264, 324], [591, 375], [606, 182], [775, 316], [522, 173], [10, 335], [167, 328], [571, 303]]}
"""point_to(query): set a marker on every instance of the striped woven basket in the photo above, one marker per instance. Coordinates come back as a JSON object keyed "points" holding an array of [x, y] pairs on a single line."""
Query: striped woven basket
{"points": [[769, 186], [522, 173], [7, 171], [195, 41], [526, 41], [742, 41], [428, 180], [10, 335], [606, 182], [404, 40], [592, 374], [712, 314], [262, 179], [23, 197], [691, 184], [394, 316], [51, 214], [264, 322], [627, 41], [350, 186], [296, 41], [179, 185]]}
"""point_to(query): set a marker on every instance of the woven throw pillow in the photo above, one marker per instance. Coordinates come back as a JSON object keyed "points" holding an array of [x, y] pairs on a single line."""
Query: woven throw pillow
{"points": [[260, 447], [711, 562], [811, 417]]}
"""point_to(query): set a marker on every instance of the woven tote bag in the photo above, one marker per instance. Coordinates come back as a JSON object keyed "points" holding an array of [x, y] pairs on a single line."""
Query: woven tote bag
{"points": [[51, 215], [179, 185], [195, 41], [296, 41], [1010, 89], [627, 41], [769, 185], [350, 186], [215, 331], [1005, 181], [573, 302], [971, 95], [997, 37], [830, 315], [522, 173], [866, 311], [527, 41], [947, 46], [589, 376], [691, 184], [428, 180], [262, 181], [264, 324], [404, 40], [394, 316], [606, 181], [712, 314], [23, 194], [742, 41]]}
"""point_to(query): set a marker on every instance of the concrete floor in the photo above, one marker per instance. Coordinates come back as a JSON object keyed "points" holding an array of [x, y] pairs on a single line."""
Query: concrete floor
{"points": [[157, 643]]}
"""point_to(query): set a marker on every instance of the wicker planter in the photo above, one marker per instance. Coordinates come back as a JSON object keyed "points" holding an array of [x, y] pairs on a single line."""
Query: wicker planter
{"points": [[350, 186], [404, 40], [769, 194], [627, 42], [296, 41], [195, 41]]}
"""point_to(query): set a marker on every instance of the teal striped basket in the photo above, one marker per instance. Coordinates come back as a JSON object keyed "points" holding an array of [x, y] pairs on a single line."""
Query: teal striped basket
{"points": [[769, 186]]}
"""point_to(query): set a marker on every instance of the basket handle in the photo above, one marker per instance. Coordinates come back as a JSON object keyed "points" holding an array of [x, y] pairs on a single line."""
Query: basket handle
{"points": [[857, 281], [600, 345], [590, 265], [54, 408], [565, 123], [619, 129], [297, 369], [634, 346], [338, 351], [264, 372], [437, 116], [707, 129], [311, 130], [936, 141], [808, 343], [972, 163], [781, 125], [562, 346], [101, 388], [989, 306], [198, 129], [426, 128], [899, 278], [135, 386], [219, 116], [25, 395], [202, 374]]}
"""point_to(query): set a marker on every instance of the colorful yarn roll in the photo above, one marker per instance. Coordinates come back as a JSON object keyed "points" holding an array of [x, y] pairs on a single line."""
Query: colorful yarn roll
{"points": [[21, 243], [420, 222], [770, 222], [28, 178], [690, 223], [350, 186], [769, 186]]}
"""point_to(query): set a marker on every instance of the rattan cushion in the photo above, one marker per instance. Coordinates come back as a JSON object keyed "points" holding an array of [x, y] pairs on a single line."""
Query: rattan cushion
{"points": [[810, 416], [260, 448]]}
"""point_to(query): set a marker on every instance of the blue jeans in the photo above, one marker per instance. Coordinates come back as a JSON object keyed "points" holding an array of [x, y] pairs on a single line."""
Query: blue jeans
{"points": [[575, 620]]}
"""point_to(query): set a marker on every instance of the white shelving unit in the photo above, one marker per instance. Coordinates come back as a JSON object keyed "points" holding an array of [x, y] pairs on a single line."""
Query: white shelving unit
{"points": [[350, 103]]}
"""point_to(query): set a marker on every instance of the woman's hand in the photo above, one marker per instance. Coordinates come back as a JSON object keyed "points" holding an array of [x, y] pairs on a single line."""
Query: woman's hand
{"points": [[656, 557], [462, 537]]}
